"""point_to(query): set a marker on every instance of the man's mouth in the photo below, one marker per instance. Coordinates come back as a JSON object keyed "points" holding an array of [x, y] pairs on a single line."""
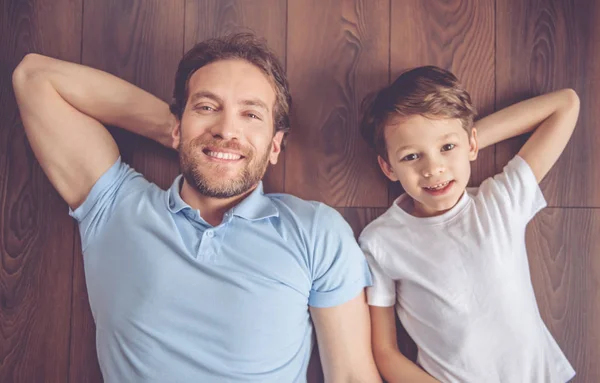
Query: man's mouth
{"points": [[227, 156]]}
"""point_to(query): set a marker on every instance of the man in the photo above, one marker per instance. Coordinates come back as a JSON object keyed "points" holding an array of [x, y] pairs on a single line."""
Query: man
{"points": [[211, 280]]}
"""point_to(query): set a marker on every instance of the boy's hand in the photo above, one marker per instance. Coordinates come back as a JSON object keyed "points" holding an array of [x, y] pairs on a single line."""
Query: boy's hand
{"points": [[554, 114]]}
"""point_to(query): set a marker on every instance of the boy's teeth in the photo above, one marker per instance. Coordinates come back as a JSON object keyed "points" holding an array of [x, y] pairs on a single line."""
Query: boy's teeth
{"points": [[438, 186]]}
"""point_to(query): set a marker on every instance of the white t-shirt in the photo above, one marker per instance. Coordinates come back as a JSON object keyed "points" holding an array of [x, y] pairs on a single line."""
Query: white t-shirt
{"points": [[461, 284]]}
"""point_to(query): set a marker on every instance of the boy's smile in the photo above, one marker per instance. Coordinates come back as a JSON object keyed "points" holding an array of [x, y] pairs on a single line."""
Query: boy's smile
{"points": [[430, 158]]}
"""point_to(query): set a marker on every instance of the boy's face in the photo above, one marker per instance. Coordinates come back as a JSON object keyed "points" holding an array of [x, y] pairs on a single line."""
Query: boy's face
{"points": [[431, 159]]}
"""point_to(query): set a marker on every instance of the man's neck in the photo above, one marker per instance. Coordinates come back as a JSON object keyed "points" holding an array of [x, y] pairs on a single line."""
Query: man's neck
{"points": [[211, 209]]}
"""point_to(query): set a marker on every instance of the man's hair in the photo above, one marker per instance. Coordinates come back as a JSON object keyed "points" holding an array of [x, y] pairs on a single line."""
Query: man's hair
{"points": [[428, 91], [244, 46]]}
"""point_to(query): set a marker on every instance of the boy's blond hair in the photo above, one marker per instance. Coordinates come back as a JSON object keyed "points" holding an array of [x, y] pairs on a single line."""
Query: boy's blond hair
{"points": [[428, 91]]}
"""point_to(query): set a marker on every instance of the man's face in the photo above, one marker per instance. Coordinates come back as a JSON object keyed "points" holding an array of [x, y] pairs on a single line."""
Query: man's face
{"points": [[430, 158], [226, 135]]}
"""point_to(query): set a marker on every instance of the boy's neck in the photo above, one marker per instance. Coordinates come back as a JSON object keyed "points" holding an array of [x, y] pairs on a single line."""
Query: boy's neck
{"points": [[419, 210]]}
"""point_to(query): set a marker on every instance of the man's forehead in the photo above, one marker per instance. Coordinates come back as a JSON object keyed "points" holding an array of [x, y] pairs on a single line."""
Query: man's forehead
{"points": [[233, 81]]}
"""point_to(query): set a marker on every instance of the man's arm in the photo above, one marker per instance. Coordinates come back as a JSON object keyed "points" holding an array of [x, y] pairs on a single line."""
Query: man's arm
{"points": [[394, 366], [554, 114], [343, 335], [63, 106]]}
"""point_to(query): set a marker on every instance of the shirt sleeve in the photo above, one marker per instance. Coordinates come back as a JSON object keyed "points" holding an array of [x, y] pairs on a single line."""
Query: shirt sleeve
{"points": [[517, 188], [339, 268], [383, 290], [115, 184]]}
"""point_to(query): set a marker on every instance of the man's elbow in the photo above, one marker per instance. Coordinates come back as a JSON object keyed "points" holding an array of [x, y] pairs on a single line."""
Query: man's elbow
{"points": [[367, 373], [28, 69]]}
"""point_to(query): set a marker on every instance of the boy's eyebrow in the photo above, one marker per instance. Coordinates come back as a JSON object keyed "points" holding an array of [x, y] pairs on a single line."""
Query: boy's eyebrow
{"points": [[404, 147], [447, 136], [443, 138]]}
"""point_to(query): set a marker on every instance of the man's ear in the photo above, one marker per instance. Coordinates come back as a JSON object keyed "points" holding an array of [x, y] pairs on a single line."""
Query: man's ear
{"points": [[473, 145], [387, 169], [176, 134], [276, 147]]}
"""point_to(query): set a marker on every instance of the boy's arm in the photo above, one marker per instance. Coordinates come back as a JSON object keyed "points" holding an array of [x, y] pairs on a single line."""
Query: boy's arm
{"points": [[63, 106], [554, 114], [394, 366]]}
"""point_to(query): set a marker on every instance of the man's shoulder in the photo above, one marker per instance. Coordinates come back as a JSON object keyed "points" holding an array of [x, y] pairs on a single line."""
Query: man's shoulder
{"points": [[305, 212]]}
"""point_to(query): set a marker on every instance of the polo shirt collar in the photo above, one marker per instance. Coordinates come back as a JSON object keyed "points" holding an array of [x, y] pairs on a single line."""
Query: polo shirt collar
{"points": [[254, 207]]}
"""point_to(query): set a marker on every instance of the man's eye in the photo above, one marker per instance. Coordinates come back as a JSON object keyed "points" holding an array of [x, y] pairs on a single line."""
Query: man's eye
{"points": [[253, 116], [410, 157], [205, 108], [448, 147]]}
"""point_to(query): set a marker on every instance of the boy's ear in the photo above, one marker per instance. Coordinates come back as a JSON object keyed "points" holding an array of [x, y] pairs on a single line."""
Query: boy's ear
{"points": [[473, 145], [387, 169]]}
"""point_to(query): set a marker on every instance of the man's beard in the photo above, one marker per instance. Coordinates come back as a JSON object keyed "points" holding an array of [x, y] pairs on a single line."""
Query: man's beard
{"points": [[195, 172]]}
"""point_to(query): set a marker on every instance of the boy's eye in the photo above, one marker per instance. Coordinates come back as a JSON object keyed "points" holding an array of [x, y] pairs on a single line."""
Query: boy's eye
{"points": [[253, 116], [447, 147], [410, 157]]}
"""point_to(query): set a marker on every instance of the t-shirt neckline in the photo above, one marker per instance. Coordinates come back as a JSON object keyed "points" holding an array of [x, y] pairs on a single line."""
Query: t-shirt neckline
{"points": [[442, 218]]}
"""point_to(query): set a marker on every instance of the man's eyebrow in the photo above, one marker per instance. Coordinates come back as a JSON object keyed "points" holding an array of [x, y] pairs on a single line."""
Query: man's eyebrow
{"points": [[205, 94], [255, 102]]}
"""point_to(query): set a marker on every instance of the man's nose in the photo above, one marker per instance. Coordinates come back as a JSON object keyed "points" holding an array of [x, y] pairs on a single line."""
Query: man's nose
{"points": [[226, 127]]}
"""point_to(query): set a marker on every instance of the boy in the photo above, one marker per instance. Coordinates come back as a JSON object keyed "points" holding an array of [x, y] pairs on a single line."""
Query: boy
{"points": [[454, 260]]}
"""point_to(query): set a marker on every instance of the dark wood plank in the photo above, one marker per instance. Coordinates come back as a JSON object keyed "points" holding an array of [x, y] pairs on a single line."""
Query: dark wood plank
{"points": [[267, 19], [545, 45], [456, 35], [563, 247], [142, 42], [337, 53], [36, 233]]}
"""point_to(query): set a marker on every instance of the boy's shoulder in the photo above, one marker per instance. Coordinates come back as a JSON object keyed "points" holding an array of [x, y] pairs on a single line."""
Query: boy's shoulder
{"points": [[386, 225]]}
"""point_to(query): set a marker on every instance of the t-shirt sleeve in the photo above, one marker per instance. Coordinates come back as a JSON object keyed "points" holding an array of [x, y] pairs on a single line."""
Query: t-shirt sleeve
{"points": [[339, 268], [517, 189], [383, 290], [116, 183]]}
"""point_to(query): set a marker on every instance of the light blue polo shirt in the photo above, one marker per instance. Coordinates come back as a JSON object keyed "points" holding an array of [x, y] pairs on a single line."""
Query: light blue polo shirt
{"points": [[178, 300]]}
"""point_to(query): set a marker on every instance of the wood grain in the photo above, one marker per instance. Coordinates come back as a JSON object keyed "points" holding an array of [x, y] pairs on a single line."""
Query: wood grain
{"points": [[563, 246], [545, 45], [140, 41], [337, 53], [36, 233], [267, 19], [457, 35]]}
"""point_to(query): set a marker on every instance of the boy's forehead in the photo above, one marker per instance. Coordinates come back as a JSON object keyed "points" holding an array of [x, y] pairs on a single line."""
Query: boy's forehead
{"points": [[420, 128]]}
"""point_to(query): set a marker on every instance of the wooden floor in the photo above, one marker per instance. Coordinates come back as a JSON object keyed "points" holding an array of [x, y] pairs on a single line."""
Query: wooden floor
{"points": [[335, 52]]}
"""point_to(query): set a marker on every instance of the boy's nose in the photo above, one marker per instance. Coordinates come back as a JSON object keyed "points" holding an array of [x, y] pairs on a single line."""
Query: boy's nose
{"points": [[433, 168]]}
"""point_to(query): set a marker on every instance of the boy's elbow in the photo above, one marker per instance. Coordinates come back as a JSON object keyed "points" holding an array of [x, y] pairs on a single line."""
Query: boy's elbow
{"points": [[571, 99]]}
